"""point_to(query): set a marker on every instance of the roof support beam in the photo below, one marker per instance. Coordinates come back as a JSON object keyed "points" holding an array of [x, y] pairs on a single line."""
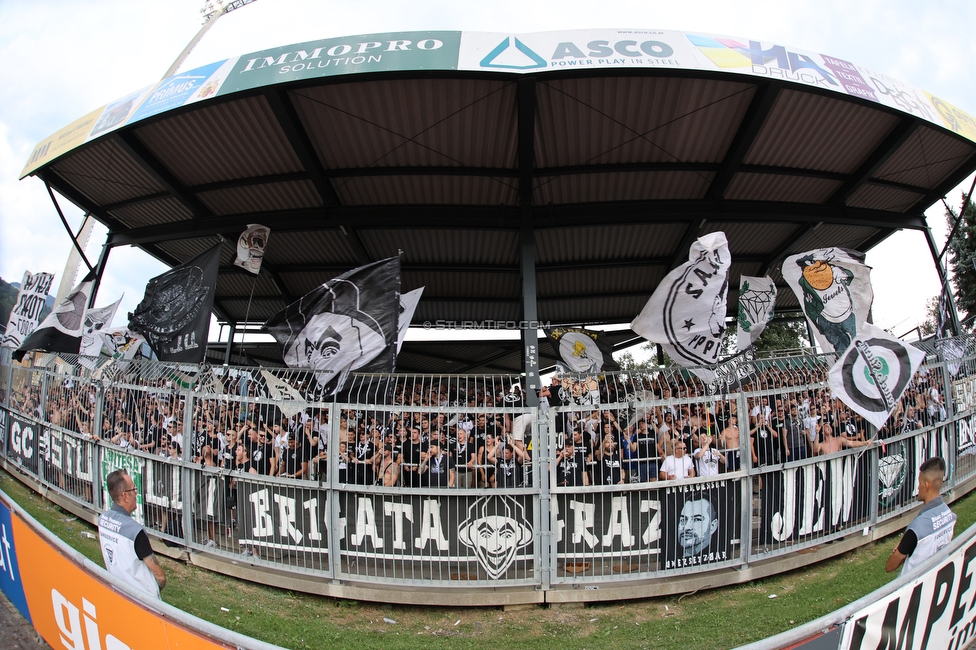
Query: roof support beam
{"points": [[526, 138], [288, 120], [785, 247], [692, 233], [905, 128], [756, 114], [962, 173], [141, 155]]}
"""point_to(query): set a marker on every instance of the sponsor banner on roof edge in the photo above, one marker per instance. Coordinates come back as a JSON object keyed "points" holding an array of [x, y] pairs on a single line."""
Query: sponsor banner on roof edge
{"points": [[511, 53], [433, 50]]}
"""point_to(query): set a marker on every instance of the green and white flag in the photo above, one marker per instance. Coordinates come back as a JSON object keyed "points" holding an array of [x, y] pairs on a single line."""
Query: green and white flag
{"points": [[833, 286], [873, 373], [757, 298]]}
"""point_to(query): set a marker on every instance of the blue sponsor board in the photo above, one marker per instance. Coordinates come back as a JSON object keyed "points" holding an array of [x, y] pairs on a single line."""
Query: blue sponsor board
{"points": [[173, 92], [10, 582]]}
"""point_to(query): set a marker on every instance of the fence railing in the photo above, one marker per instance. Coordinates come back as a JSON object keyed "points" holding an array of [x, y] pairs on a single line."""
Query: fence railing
{"points": [[434, 481]]}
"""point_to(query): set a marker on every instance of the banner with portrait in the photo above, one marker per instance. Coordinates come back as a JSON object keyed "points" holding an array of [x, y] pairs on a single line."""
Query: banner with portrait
{"points": [[702, 524]]}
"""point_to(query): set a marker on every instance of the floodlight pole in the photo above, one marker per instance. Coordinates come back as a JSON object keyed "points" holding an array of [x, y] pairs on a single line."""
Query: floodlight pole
{"points": [[210, 15]]}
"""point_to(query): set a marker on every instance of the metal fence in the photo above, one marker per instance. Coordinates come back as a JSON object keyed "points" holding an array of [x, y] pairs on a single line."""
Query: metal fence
{"points": [[455, 481]]}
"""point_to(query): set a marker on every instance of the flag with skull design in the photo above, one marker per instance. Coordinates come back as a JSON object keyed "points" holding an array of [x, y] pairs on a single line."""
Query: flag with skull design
{"points": [[343, 325], [250, 247]]}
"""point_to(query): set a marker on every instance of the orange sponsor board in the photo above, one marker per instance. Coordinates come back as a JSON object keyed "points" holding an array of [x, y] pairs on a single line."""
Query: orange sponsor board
{"points": [[74, 610]]}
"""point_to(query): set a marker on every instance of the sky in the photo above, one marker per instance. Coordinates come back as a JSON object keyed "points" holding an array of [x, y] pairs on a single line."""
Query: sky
{"points": [[64, 58]]}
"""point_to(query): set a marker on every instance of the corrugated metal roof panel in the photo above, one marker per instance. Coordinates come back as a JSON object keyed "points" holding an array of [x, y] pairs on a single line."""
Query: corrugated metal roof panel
{"points": [[327, 245], [243, 140], [457, 284], [827, 235], [591, 309], [622, 186], [266, 197], [257, 310], [926, 158], [242, 283], [776, 187], [298, 283], [417, 122], [806, 131], [882, 197], [148, 213], [437, 190], [599, 243], [444, 246], [637, 119], [186, 249], [751, 238], [106, 174], [452, 311], [593, 282]]}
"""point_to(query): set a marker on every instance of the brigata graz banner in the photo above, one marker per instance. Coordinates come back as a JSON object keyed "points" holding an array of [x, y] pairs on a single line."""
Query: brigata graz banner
{"points": [[815, 499], [22, 438], [485, 537]]}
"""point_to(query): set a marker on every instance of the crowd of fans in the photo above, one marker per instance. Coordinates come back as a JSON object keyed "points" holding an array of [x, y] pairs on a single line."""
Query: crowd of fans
{"points": [[476, 433]]}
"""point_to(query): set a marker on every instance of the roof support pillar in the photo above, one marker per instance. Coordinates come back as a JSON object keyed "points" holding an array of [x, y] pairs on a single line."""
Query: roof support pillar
{"points": [[530, 311], [943, 279], [100, 269]]}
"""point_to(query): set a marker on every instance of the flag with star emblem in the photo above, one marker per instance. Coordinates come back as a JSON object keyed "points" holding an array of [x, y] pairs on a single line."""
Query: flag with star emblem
{"points": [[686, 313]]}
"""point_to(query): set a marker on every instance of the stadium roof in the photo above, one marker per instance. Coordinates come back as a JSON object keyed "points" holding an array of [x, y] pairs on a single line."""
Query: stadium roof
{"points": [[586, 160]]}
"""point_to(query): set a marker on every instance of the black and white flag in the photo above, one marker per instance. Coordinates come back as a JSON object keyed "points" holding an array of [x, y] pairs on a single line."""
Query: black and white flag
{"points": [[581, 350], [63, 328], [96, 319], [834, 287], [408, 305], [250, 247], [686, 313], [174, 315], [26, 312], [343, 325], [873, 373], [757, 298]]}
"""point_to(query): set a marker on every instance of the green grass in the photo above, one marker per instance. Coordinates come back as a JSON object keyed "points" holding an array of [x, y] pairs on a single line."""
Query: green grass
{"points": [[715, 619]]}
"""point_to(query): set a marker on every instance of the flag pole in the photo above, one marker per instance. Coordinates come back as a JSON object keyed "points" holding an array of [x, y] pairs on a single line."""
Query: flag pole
{"points": [[247, 313]]}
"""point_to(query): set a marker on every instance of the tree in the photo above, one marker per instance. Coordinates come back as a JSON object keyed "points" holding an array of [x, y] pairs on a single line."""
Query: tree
{"points": [[931, 321], [962, 256], [783, 335]]}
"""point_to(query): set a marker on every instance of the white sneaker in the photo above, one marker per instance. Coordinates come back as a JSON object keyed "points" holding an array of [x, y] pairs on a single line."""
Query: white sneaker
{"points": [[210, 543]]}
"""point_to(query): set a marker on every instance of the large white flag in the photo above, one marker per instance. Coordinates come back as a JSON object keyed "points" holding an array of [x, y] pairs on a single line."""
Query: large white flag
{"points": [[95, 320], [833, 286], [408, 305], [26, 312], [686, 314], [757, 298], [250, 247], [873, 373]]}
